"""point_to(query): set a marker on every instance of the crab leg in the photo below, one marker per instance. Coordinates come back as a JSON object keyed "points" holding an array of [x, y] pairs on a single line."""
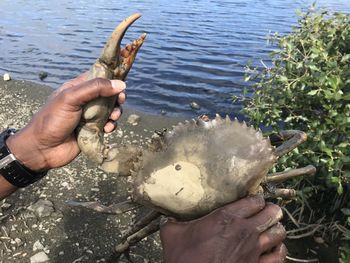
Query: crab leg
{"points": [[112, 209], [141, 223], [113, 63], [281, 192], [283, 176], [149, 229], [291, 138]]}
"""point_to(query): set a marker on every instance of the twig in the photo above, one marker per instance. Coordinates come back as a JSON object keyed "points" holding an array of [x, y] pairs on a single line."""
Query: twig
{"points": [[302, 260], [307, 234], [342, 229], [78, 259], [4, 231], [301, 210], [301, 229], [291, 217]]}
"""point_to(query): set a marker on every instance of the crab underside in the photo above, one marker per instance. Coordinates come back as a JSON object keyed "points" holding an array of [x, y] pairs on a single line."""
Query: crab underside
{"points": [[186, 172]]}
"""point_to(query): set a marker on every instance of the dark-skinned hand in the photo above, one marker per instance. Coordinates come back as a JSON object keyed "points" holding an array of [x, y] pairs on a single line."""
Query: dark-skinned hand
{"points": [[246, 231], [49, 141]]}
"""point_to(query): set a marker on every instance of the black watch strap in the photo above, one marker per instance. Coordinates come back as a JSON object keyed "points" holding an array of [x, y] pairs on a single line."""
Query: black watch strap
{"points": [[11, 169]]}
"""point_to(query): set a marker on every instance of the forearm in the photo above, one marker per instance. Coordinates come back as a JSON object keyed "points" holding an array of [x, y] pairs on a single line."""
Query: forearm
{"points": [[6, 188], [20, 147]]}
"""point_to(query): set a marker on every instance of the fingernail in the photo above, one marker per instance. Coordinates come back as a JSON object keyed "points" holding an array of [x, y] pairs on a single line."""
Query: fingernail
{"points": [[118, 84]]}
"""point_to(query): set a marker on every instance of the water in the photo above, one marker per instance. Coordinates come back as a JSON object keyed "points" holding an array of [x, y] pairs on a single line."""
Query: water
{"points": [[195, 50]]}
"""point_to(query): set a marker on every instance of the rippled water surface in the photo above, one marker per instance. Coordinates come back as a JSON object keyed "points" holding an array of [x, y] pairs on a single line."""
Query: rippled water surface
{"points": [[195, 50]]}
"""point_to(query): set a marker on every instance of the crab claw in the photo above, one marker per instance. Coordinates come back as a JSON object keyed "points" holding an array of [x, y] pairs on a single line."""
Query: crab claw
{"points": [[114, 62]]}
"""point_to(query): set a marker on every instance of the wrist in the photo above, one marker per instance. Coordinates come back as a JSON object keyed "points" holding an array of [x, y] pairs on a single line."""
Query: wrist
{"points": [[26, 151]]}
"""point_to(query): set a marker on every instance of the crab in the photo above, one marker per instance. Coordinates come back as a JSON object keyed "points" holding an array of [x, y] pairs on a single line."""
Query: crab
{"points": [[187, 171]]}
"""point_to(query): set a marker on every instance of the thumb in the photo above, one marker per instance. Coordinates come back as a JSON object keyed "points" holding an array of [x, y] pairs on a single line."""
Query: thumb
{"points": [[92, 89]]}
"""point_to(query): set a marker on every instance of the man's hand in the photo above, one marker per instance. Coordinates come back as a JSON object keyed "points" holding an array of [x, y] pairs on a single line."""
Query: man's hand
{"points": [[245, 231], [48, 141]]}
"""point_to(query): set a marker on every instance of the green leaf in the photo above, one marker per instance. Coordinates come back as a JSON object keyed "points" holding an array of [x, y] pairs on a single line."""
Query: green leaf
{"points": [[345, 58], [312, 92], [340, 188]]}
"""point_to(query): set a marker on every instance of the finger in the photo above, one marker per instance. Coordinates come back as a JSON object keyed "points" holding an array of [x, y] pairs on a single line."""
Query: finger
{"points": [[121, 98], [242, 208], [268, 217], [278, 255], [272, 237], [116, 113], [89, 90], [73, 82], [110, 126]]}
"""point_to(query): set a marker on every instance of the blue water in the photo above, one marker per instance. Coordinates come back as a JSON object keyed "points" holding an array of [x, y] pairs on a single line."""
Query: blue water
{"points": [[195, 50]]}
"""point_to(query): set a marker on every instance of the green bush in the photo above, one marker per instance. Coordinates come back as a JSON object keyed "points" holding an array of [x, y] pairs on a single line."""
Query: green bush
{"points": [[308, 88]]}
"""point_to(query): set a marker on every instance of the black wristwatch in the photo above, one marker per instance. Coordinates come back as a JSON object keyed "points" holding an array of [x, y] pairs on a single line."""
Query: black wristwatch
{"points": [[11, 168]]}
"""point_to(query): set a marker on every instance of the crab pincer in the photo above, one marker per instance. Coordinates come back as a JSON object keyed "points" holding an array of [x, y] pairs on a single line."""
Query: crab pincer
{"points": [[114, 63]]}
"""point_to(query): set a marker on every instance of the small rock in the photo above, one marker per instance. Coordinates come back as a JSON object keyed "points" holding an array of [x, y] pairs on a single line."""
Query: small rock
{"points": [[42, 208], [133, 119], [163, 112], [42, 75], [7, 77], [195, 105], [37, 246], [18, 241], [40, 257], [319, 240], [64, 184], [119, 133], [5, 206]]}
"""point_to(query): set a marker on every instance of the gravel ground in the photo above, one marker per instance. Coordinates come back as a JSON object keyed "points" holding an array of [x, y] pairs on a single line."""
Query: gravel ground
{"points": [[36, 223]]}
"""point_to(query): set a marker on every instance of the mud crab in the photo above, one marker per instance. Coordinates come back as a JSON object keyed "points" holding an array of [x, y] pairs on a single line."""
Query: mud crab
{"points": [[185, 172]]}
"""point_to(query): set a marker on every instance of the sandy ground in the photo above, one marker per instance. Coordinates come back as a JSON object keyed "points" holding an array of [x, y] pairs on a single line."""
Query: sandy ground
{"points": [[68, 234]]}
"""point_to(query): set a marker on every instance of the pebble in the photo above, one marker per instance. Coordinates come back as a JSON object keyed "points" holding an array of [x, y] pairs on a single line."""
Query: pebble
{"points": [[42, 208], [7, 77], [43, 75], [37, 246], [319, 240], [133, 119], [18, 241], [195, 105], [5, 206], [40, 257], [64, 184], [119, 133]]}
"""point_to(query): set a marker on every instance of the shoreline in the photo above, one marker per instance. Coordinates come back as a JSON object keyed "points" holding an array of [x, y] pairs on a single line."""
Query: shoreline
{"points": [[38, 93]]}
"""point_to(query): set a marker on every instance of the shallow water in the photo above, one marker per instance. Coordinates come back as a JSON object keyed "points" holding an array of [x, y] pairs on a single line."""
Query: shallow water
{"points": [[195, 50]]}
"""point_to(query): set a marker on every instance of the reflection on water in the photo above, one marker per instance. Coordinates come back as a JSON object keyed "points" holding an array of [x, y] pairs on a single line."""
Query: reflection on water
{"points": [[195, 50]]}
